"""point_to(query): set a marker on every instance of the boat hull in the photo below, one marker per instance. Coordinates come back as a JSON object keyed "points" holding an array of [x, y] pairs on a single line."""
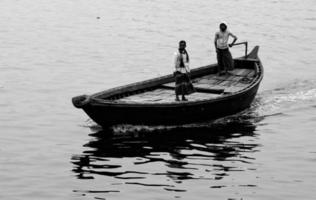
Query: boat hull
{"points": [[167, 115]]}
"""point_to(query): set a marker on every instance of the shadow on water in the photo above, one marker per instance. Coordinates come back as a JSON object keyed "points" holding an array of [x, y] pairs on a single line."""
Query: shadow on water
{"points": [[107, 143], [201, 152]]}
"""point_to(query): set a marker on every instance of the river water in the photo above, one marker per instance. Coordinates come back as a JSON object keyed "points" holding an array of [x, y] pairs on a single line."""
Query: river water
{"points": [[54, 50]]}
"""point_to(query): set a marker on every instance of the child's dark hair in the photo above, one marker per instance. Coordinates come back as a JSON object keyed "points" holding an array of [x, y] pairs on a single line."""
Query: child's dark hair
{"points": [[183, 42]]}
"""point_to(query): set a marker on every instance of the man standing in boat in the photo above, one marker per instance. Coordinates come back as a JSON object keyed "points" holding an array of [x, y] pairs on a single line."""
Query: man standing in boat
{"points": [[224, 58], [182, 70]]}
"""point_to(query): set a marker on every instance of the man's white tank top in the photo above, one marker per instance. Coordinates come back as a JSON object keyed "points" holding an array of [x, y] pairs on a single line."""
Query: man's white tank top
{"points": [[222, 39]]}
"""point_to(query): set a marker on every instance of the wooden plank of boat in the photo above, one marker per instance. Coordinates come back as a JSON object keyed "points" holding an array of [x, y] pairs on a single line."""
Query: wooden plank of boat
{"points": [[224, 81], [202, 88], [206, 81], [152, 101], [165, 95], [241, 72]]}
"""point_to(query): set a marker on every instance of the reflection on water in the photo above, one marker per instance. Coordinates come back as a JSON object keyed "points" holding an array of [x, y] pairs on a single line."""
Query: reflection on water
{"points": [[171, 156]]}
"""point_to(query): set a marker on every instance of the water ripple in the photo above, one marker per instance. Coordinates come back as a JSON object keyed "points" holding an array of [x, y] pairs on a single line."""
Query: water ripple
{"points": [[182, 154]]}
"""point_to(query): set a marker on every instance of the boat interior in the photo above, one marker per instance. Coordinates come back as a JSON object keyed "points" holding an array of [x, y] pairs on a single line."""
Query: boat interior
{"points": [[208, 85]]}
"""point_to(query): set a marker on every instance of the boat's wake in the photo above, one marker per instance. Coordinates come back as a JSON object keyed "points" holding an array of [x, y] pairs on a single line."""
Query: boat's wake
{"points": [[267, 103], [284, 99]]}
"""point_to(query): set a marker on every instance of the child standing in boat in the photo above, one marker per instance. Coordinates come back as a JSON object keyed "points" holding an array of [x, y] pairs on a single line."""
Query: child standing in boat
{"points": [[182, 70], [224, 58]]}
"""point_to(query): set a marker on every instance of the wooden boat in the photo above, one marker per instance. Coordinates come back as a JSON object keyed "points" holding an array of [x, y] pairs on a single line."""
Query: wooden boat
{"points": [[152, 102]]}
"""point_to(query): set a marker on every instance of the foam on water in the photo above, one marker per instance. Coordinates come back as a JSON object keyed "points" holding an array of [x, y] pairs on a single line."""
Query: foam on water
{"points": [[286, 98]]}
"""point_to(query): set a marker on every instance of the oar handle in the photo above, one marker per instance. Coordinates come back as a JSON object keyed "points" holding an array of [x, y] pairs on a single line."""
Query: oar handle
{"points": [[246, 46]]}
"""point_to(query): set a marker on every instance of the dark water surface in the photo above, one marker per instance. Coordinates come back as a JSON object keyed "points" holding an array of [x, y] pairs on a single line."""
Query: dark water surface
{"points": [[54, 50]]}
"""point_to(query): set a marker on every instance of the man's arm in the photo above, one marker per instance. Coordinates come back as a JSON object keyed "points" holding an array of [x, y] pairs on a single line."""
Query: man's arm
{"points": [[215, 41], [187, 68], [175, 61], [235, 39]]}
